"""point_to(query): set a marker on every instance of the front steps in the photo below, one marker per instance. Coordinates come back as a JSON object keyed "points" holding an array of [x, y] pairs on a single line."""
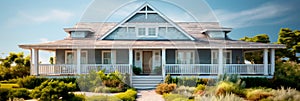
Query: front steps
{"points": [[146, 82]]}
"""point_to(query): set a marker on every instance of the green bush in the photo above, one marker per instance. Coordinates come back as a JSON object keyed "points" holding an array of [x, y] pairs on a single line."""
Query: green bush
{"points": [[4, 92], [225, 87], [103, 98], [199, 89], [30, 82], [78, 97], [168, 79], [129, 95], [136, 70], [19, 93], [103, 89], [174, 97], [188, 81], [165, 88], [257, 82], [53, 90]]}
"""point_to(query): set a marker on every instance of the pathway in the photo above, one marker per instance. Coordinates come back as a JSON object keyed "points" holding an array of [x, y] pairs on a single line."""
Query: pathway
{"points": [[149, 95]]}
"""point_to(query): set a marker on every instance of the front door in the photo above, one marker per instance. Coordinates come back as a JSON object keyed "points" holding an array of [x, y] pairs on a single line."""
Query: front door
{"points": [[147, 62]]}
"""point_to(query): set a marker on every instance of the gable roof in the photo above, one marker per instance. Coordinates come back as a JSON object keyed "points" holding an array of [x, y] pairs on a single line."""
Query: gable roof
{"points": [[152, 10]]}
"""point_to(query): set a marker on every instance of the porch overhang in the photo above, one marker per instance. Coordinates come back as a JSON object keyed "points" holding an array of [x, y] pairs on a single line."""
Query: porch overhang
{"points": [[111, 44]]}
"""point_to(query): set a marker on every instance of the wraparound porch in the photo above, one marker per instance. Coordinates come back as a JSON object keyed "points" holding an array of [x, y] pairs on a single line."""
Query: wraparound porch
{"points": [[176, 69]]}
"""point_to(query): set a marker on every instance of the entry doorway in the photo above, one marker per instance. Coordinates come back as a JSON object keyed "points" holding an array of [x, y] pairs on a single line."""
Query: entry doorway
{"points": [[147, 62]]}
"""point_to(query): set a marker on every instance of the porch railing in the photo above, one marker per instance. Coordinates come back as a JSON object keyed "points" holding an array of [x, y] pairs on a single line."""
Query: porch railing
{"points": [[191, 68], [213, 68], [54, 69], [245, 68]]}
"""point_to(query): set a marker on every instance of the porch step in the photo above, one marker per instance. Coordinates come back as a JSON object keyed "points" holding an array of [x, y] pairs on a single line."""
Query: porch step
{"points": [[146, 82]]}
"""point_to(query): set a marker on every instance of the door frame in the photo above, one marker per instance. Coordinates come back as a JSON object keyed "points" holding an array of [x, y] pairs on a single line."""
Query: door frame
{"points": [[141, 57]]}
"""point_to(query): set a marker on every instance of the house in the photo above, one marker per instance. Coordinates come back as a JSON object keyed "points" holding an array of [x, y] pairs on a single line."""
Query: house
{"points": [[149, 40]]}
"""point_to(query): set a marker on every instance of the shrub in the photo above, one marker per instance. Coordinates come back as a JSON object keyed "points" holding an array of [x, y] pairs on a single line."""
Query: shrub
{"points": [[168, 79], [257, 94], [188, 81], [136, 70], [78, 97], [103, 89], [129, 95], [199, 89], [175, 97], [19, 93], [4, 94], [226, 97], [30, 82], [225, 87], [257, 82], [185, 91], [165, 88], [103, 98], [285, 95], [53, 90]]}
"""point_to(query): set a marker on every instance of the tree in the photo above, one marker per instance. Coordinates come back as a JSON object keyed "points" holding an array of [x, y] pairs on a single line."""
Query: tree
{"points": [[292, 41], [15, 65], [256, 57], [51, 60]]}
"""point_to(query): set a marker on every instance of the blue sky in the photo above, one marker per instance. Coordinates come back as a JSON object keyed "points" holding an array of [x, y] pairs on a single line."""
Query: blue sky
{"points": [[35, 21]]}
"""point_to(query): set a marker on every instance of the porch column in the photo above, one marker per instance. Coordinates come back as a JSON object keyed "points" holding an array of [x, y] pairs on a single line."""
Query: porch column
{"points": [[130, 61], [36, 61], [266, 62], [220, 58], [78, 51], [163, 62], [272, 61]]}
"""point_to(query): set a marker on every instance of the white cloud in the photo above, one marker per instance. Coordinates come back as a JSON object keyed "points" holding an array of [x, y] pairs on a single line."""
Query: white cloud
{"points": [[52, 15], [254, 16], [44, 40]]}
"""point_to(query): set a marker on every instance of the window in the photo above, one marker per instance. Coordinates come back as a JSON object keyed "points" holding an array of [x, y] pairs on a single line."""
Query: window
{"points": [[131, 29], [152, 32], [106, 57], [138, 56], [216, 35], [71, 57], [147, 32], [142, 31], [185, 57], [79, 34], [226, 56]]}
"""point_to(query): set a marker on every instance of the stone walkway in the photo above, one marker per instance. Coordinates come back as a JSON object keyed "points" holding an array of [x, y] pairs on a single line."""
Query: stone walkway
{"points": [[149, 95]]}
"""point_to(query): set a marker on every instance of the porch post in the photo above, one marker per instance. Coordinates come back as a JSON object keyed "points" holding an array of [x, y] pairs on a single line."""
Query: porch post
{"points": [[266, 61], [78, 57], [36, 61], [31, 63], [163, 62], [272, 61], [130, 61], [220, 57]]}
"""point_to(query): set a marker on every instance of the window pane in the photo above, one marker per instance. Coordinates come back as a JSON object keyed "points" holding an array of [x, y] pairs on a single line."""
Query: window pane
{"points": [[83, 58], [70, 58], [141, 31], [152, 31]]}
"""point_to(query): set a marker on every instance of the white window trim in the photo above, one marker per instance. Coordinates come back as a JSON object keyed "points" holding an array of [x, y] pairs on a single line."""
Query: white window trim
{"points": [[193, 51], [75, 56], [217, 52], [147, 32], [112, 56]]}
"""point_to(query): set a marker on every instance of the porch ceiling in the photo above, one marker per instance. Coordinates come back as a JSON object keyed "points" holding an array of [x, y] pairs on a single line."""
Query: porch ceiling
{"points": [[113, 44]]}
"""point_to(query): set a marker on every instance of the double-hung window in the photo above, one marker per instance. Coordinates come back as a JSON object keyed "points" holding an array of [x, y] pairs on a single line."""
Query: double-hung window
{"points": [[185, 57], [147, 32], [227, 54], [106, 57], [71, 57]]}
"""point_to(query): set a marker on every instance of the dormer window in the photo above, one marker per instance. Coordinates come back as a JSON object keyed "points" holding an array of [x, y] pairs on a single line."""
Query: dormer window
{"points": [[220, 33], [216, 35], [80, 34]]}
